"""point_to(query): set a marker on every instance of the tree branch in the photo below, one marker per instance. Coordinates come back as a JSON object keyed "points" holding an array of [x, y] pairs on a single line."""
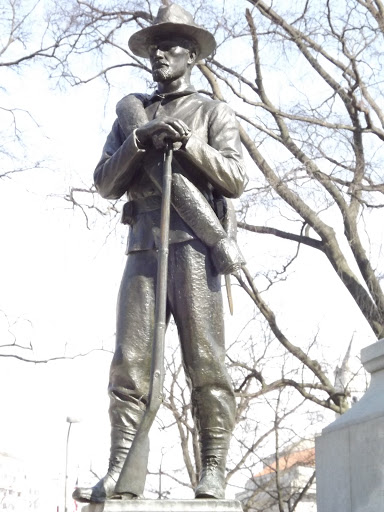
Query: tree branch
{"points": [[301, 239]]}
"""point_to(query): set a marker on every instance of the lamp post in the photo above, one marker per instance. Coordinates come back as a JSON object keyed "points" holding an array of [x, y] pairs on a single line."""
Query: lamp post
{"points": [[70, 420]]}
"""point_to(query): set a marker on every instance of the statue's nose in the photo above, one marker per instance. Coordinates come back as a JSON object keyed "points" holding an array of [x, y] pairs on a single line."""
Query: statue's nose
{"points": [[159, 52]]}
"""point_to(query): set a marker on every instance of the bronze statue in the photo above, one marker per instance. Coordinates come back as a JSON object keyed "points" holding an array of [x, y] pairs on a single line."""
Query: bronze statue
{"points": [[207, 169]]}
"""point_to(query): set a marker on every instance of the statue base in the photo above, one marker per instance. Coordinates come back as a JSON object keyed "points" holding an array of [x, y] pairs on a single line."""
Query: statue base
{"points": [[200, 505], [350, 451]]}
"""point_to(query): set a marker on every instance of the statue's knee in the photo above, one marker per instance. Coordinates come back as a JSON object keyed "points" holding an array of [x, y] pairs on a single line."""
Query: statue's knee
{"points": [[129, 376]]}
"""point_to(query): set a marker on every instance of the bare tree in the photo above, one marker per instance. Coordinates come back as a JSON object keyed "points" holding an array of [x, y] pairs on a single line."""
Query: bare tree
{"points": [[16, 344], [306, 86], [330, 143]]}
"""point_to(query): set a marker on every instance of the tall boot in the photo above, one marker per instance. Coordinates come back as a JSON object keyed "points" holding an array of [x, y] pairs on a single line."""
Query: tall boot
{"points": [[125, 414], [214, 444], [121, 441]]}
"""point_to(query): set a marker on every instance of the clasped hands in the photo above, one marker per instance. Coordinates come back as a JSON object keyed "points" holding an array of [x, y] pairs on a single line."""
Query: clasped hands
{"points": [[162, 129]]}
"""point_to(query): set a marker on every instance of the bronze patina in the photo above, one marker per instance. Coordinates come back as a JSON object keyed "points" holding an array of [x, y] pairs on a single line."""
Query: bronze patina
{"points": [[207, 170]]}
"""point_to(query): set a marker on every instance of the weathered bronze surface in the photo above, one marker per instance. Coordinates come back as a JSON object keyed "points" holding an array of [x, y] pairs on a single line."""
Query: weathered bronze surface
{"points": [[207, 170]]}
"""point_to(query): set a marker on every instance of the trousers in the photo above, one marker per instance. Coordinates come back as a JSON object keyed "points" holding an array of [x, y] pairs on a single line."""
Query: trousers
{"points": [[194, 300]]}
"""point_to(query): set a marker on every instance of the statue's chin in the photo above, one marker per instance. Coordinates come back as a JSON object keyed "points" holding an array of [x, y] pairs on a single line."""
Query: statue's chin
{"points": [[161, 75]]}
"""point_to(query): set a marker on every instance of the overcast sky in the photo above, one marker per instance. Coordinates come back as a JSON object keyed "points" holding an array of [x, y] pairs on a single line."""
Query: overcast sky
{"points": [[59, 280]]}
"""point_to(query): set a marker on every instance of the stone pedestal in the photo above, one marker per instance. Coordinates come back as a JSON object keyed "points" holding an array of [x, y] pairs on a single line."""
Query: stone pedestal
{"points": [[164, 506], [350, 451]]}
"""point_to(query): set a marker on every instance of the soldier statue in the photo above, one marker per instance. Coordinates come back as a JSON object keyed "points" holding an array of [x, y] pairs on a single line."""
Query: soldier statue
{"points": [[207, 170]]}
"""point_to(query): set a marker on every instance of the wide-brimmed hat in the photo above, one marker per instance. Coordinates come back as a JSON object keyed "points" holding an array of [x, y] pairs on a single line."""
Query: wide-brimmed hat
{"points": [[172, 20]]}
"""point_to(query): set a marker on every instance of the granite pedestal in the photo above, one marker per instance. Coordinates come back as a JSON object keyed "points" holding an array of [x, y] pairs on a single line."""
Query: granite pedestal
{"points": [[350, 451], [164, 506]]}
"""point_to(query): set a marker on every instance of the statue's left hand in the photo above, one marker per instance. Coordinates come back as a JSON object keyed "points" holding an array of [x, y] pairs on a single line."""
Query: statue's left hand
{"points": [[161, 129], [159, 141]]}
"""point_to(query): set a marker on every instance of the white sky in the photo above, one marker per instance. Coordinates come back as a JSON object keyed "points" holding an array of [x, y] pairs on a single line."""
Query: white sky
{"points": [[61, 280]]}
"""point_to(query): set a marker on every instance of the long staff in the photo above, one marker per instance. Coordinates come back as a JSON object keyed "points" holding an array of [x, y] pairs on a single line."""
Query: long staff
{"points": [[133, 474]]}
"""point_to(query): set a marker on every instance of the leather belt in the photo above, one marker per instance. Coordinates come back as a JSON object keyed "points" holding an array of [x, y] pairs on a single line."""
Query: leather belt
{"points": [[136, 206]]}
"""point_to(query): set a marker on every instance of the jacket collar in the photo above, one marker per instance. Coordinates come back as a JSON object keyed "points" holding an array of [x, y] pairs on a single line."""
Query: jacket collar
{"points": [[156, 96]]}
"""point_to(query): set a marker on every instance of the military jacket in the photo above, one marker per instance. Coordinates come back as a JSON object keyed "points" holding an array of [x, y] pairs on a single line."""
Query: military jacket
{"points": [[211, 159]]}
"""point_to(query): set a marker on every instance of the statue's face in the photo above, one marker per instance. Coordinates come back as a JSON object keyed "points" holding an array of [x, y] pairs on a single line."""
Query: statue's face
{"points": [[170, 58]]}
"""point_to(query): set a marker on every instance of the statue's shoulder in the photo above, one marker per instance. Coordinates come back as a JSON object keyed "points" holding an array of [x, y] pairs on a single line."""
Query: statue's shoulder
{"points": [[211, 104], [134, 98]]}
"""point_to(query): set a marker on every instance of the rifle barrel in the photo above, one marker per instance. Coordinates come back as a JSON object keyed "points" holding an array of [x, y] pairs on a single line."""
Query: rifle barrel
{"points": [[134, 472]]}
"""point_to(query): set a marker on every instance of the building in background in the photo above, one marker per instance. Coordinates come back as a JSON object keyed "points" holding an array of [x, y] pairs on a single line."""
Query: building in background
{"points": [[283, 478], [19, 491], [24, 488]]}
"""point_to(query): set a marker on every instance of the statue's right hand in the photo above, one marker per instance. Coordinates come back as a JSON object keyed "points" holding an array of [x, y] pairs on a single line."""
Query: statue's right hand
{"points": [[156, 132]]}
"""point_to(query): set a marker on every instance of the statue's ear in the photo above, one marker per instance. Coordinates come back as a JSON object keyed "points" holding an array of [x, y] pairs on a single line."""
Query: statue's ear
{"points": [[192, 57]]}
